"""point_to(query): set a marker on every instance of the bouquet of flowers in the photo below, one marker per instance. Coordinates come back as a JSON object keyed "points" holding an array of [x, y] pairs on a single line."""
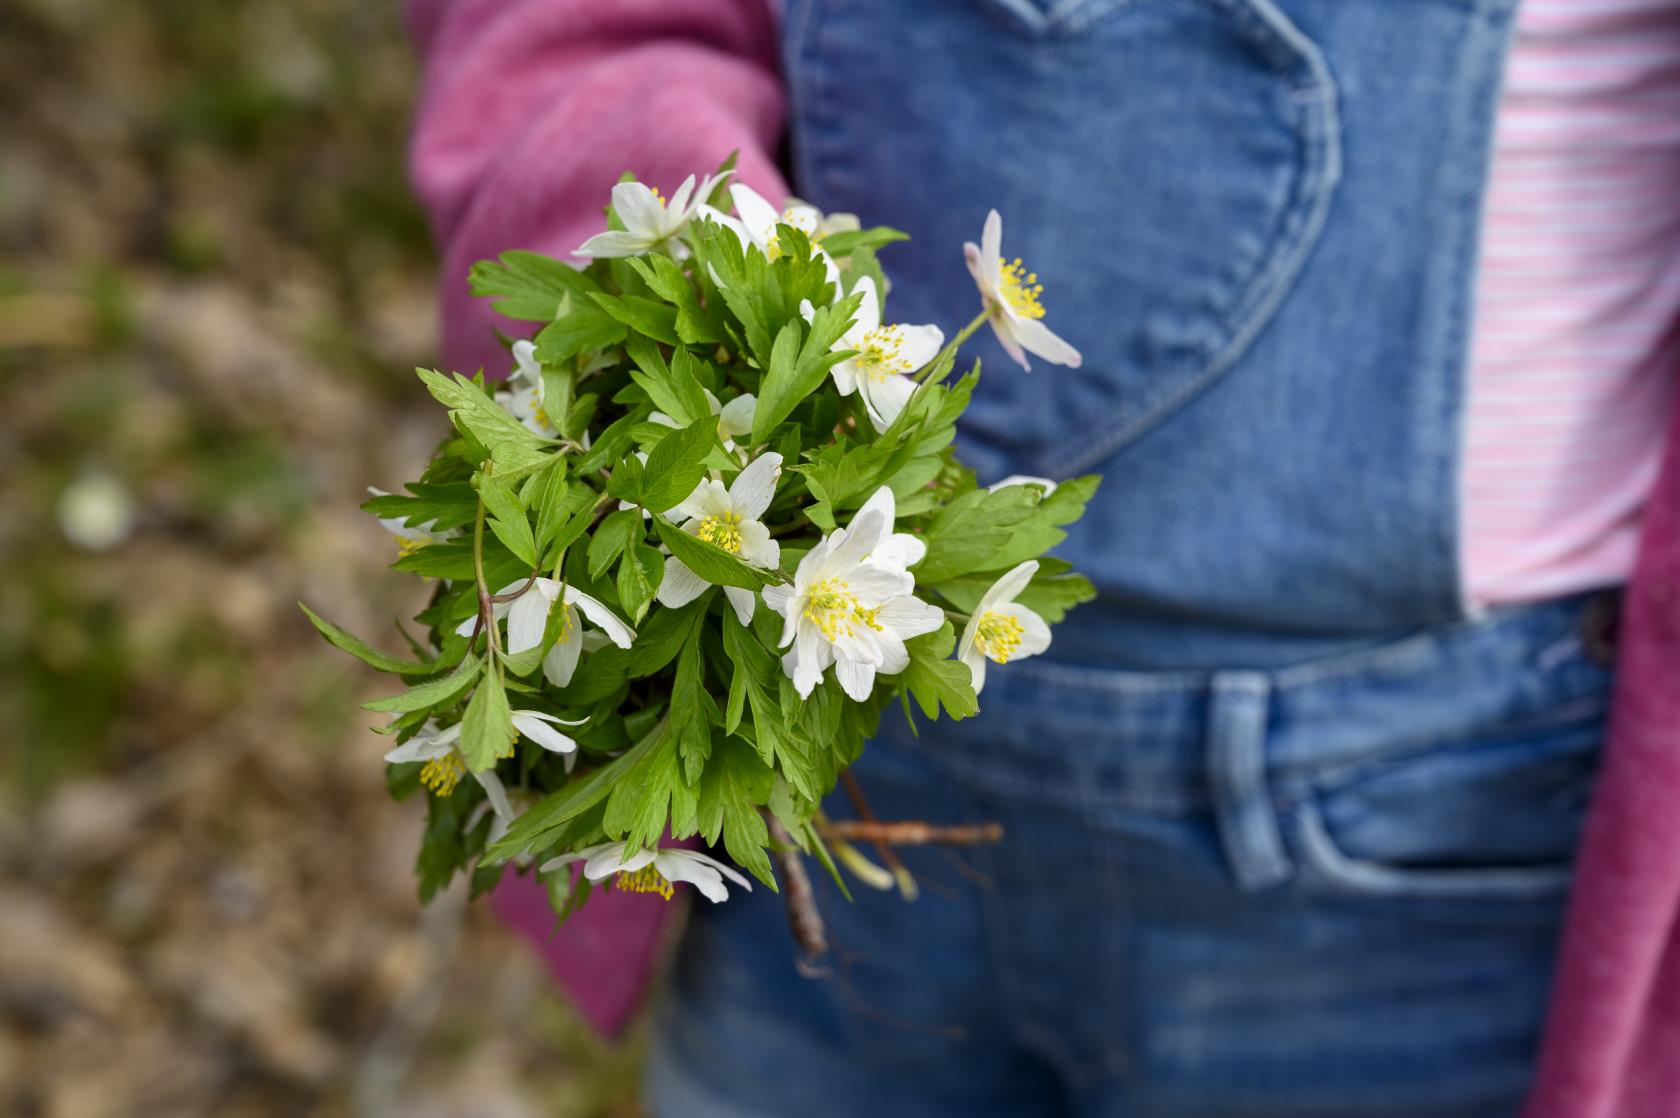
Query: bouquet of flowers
{"points": [[686, 555]]}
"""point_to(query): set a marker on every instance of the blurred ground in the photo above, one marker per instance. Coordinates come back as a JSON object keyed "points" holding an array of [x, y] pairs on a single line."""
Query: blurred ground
{"points": [[212, 283]]}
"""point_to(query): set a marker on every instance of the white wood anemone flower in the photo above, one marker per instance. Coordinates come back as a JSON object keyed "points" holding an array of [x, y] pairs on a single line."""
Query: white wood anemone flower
{"points": [[1010, 294], [756, 221], [649, 221], [879, 372], [730, 518], [1001, 629], [655, 870], [523, 396], [897, 550], [851, 605], [411, 539], [527, 616], [444, 766]]}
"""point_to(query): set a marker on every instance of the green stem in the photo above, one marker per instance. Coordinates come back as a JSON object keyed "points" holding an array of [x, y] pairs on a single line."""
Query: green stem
{"points": [[486, 612], [950, 350]]}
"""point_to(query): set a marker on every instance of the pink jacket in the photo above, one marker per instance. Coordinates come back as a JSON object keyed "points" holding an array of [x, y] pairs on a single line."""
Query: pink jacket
{"points": [[529, 111]]}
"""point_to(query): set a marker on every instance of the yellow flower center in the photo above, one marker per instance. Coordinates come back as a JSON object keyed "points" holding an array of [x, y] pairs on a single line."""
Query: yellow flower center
{"points": [[1020, 288], [441, 774], [542, 419], [724, 530], [645, 880], [881, 353], [654, 190], [408, 545], [998, 635], [837, 611]]}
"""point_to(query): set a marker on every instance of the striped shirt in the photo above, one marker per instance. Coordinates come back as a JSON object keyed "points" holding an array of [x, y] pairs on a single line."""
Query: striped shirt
{"points": [[1577, 332]]}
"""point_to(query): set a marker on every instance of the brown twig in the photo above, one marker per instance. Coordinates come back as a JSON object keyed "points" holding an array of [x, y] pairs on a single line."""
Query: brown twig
{"points": [[860, 804], [912, 833], [807, 923]]}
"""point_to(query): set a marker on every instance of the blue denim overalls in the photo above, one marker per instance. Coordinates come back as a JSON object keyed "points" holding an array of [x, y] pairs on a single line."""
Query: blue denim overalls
{"points": [[1288, 825]]}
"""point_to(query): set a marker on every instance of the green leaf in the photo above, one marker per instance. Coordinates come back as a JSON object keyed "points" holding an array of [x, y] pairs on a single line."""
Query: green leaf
{"points": [[672, 388], [648, 794], [487, 726], [527, 285], [361, 650], [526, 834], [675, 465], [515, 449], [936, 681], [557, 503], [1042, 530], [846, 242], [433, 693], [583, 327], [659, 642], [799, 362], [1052, 592], [965, 534], [710, 561], [611, 538], [444, 506], [689, 709], [639, 572], [644, 316], [509, 522], [735, 784]]}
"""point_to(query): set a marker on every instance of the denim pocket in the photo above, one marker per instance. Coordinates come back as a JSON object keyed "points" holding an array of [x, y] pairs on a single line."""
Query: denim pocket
{"points": [[1164, 165], [1497, 816]]}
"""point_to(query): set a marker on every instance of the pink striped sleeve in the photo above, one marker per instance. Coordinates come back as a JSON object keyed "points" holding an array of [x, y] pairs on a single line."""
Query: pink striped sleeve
{"points": [[530, 109]]}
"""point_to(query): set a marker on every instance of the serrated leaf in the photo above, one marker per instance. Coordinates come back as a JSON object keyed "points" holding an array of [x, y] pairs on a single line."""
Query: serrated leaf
{"points": [[434, 693], [675, 465], [658, 643], [527, 285], [508, 519], [582, 327], [735, 785], [361, 650], [487, 726], [965, 534], [515, 449], [639, 572], [644, 316], [934, 680]]}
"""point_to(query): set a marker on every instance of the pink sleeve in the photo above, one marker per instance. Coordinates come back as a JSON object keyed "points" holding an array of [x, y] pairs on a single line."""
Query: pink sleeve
{"points": [[529, 111]]}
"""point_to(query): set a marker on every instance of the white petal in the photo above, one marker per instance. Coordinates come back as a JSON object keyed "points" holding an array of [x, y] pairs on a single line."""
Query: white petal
{"points": [[894, 656], [982, 275], [706, 880], [910, 617], [811, 655], [612, 860], [1004, 329], [560, 662], [612, 243], [755, 487], [495, 793], [708, 499], [856, 679], [869, 311], [758, 216], [617, 631], [920, 344], [976, 667], [526, 619], [1043, 483], [421, 747], [542, 733], [680, 585], [883, 502], [1008, 586], [678, 206], [1035, 337], [1035, 634], [885, 397], [736, 417], [777, 597], [877, 584], [722, 867], [991, 238], [525, 362], [743, 600], [845, 376], [899, 550], [639, 209], [854, 545], [757, 547]]}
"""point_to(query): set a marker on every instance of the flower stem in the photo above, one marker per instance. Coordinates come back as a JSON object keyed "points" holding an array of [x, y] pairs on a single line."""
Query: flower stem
{"points": [[486, 612], [950, 350]]}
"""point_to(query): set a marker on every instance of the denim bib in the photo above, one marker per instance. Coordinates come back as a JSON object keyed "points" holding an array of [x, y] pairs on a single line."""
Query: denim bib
{"points": [[1257, 219]]}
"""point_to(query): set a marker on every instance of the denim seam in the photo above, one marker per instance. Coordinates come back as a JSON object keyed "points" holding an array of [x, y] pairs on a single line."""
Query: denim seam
{"points": [[1364, 877], [1317, 127], [1237, 775], [1301, 780]]}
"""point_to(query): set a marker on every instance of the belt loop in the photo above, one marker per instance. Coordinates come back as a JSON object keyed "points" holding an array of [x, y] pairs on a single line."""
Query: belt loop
{"points": [[1236, 760]]}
